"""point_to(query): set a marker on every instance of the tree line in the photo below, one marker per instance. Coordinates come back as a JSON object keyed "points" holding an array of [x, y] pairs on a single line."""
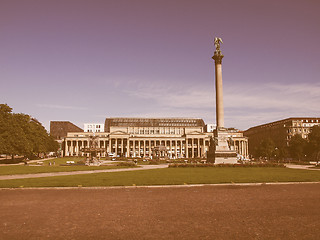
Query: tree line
{"points": [[20, 134], [298, 148]]}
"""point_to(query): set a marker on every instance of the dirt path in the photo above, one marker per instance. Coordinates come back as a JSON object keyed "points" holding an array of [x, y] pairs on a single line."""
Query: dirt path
{"points": [[212, 212], [305, 167], [52, 174]]}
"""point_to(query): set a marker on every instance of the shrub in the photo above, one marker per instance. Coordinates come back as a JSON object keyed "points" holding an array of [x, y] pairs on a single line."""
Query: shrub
{"points": [[126, 164], [226, 165], [153, 162]]}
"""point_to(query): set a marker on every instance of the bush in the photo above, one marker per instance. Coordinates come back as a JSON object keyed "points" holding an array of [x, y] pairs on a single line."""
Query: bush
{"points": [[152, 162], [226, 165], [126, 164], [81, 162]]}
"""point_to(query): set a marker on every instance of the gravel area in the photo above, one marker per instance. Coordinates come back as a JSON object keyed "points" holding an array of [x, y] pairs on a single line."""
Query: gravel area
{"points": [[288, 211]]}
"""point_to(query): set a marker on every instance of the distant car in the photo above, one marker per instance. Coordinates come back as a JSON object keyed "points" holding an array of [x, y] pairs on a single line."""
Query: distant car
{"points": [[113, 159]]}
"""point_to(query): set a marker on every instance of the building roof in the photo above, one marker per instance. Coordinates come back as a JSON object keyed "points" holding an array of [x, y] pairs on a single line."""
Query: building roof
{"points": [[284, 121], [153, 122], [59, 129]]}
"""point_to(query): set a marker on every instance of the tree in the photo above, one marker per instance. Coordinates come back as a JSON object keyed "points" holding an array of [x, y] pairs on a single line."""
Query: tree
{"points": [[297, 147], [23, 135], [313, 146], [266, 148]]}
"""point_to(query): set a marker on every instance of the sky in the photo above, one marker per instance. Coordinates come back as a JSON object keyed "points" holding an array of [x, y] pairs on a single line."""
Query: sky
{"points": [[85, 60]]}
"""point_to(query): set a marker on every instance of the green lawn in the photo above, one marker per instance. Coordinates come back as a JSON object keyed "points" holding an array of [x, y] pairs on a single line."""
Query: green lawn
{"points": [[26, 169], [171, 176]]}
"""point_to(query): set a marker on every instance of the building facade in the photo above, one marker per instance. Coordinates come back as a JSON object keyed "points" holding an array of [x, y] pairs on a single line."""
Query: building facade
{"points": [[280, 131], [93, 127], [149, 137]]}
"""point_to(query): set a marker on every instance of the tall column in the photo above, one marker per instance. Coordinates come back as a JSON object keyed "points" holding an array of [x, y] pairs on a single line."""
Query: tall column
{"points": [[204, 148], [134, 149], [122, 146], [116, 146], [128, 147], [241, 147], [66, 148], [71, 146], [217, 57], [186, 149], [139, 145], [144, 148], [76, 148], [110, 146], [198, 147], [192, 147], [176, 149], [170, 148]]}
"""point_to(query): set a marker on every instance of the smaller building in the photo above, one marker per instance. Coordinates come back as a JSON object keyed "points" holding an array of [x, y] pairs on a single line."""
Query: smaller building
{"points": [[210, 127], [280, 132], [59, 129], [93, 127]]}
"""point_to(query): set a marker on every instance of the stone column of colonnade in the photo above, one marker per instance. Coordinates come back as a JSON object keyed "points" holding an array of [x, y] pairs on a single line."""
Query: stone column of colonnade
{"points": [[122, 145], [66, 150], [72, 148], [174, 147]]}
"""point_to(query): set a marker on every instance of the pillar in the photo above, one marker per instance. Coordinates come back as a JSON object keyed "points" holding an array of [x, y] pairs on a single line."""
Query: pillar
{"points": [[204, 148], [139, 145], [186, 149], [122, 146], [219, 90], [176, 149], [66, 153], [71, 148], [116, 146], [134, 148]]}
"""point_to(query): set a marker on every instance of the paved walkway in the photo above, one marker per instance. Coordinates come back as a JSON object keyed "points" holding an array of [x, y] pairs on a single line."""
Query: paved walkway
{"points": [[305, 167], [29, 161], [53, 174]]}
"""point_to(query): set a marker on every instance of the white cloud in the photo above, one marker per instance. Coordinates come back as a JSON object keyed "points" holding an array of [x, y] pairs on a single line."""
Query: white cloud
{"points": [[245, 105], [62, 107]]}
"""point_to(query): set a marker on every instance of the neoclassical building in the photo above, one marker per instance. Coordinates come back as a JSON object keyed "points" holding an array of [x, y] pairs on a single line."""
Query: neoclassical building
{"points": [[149, 137]]}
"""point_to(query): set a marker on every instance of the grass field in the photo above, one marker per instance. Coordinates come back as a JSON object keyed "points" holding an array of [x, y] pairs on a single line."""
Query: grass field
{"points": [[171, 176], [27, 169]]}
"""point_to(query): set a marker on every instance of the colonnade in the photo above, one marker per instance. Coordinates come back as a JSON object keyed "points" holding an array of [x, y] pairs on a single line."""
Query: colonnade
{"points": [[128, 147], [147, 147], [241, 147]]}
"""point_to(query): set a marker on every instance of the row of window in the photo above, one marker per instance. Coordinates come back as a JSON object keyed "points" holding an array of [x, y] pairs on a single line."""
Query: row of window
{"points": [[156, 131], [157, 120]]}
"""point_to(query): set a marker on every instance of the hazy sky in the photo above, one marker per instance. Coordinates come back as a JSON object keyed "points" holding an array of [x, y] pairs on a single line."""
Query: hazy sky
{"points": [[83, 61]]}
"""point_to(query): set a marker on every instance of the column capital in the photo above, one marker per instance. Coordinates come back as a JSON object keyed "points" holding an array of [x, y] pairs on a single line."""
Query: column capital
{"points": [[217, 57]]}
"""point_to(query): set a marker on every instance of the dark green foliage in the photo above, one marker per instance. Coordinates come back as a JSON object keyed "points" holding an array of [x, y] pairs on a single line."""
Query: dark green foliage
{"points": [[297, 146], [126, 164], [313, 146], [175, 165], [22, 135], [266, 148]]}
